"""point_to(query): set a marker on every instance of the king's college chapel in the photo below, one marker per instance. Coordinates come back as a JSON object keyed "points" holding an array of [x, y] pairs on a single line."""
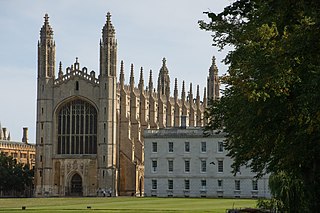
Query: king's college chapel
{"points": [[89, 131]]}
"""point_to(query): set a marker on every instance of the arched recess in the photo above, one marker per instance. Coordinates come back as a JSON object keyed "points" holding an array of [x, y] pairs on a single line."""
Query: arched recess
{"points": [[75, 185], [76, 123]]}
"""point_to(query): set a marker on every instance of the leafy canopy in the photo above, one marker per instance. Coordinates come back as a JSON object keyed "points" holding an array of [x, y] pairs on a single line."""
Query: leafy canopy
{"points": [[271, 105], [14, 176]]}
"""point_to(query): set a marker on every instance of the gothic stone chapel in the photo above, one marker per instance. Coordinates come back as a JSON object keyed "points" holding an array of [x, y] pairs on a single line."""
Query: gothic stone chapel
{"points": [[89, 131]]}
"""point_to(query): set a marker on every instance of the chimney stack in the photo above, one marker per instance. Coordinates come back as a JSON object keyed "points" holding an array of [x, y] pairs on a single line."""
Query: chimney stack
{"points": [[25, 135]]}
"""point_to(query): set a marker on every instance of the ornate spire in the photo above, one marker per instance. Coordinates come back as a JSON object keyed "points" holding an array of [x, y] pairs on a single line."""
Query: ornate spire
{"points": [[108, 50], [198, 95], [213, 84], [121, 75], [190, 91], [46, 50], [46, 31], [150, 82], [213, 69], [108, 29], [131, 77], [183, 93], [175, 88], [190, 94], [141, 81], [164, 80], [60, 73]]}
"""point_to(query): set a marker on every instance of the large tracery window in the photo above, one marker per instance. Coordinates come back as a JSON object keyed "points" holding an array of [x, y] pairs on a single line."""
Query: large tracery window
{"points": [[77, 128]]}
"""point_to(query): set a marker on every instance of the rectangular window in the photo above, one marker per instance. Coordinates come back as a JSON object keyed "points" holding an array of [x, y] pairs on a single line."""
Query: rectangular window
{"points": [[186, 184], [220, 165], [220, 146], [187, 146], [254, 184], [154, 184], [203, 184], [170, 184], [220, 184], [154, 165], [170, 165], [187, 166], [237, 184], [154, 147], [203, 166], [170, 144], [203, 147]]}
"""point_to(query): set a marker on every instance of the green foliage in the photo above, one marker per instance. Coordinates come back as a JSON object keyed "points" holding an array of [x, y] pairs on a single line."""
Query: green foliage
{"points": [[287, 190], [14, 176], [271, 205], [271, 105]]}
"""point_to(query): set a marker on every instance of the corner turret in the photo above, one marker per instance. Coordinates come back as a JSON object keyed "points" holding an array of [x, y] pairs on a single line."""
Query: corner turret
{"points": [[108, 49], [46, 51], [213, 83], [164, 80]]}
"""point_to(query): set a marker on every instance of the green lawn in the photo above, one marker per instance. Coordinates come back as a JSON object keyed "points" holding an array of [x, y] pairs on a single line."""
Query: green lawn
{"points": [[122, 204]]}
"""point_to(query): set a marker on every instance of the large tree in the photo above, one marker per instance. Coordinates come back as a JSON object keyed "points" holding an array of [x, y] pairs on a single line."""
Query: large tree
{"points": [[271, 105]]}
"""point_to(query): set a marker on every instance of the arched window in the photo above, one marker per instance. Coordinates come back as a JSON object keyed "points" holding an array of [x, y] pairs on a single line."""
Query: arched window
{"points": [[77, 128]]}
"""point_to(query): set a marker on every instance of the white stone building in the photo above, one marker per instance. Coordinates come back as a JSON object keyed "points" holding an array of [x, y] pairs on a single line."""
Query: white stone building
{"points": [[181, 162]]}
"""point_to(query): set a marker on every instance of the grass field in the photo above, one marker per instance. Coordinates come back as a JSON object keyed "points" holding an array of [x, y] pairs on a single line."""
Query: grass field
{"points": [[122, 204]]}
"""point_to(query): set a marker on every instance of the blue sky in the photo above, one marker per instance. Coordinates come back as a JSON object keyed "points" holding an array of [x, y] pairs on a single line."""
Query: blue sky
{"points": [[146, 31]]}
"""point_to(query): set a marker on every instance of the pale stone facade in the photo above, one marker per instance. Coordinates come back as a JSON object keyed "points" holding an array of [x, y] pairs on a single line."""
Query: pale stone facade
{"points": [[23, 151], [90, 126], [181, 162]]}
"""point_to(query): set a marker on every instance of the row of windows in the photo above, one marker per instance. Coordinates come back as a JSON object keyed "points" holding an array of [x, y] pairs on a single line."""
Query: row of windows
{"points": [[203, 165], [203, 147], [203, 184]]}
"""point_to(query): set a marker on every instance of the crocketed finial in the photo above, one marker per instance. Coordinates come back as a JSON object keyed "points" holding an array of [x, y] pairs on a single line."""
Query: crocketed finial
{"points": [[108, 16], [164, 61], [46, 18]]}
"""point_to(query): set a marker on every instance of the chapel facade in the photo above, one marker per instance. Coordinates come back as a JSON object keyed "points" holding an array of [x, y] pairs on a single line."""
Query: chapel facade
{"points": [[89, 131]]}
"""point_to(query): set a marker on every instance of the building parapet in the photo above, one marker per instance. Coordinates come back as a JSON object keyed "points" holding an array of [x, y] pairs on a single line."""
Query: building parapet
{"points": [[187, 132], [81, 73]]}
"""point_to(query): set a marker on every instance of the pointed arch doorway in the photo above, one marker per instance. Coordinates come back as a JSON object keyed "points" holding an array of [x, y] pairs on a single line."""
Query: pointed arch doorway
{"points": [[76, 185]]}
